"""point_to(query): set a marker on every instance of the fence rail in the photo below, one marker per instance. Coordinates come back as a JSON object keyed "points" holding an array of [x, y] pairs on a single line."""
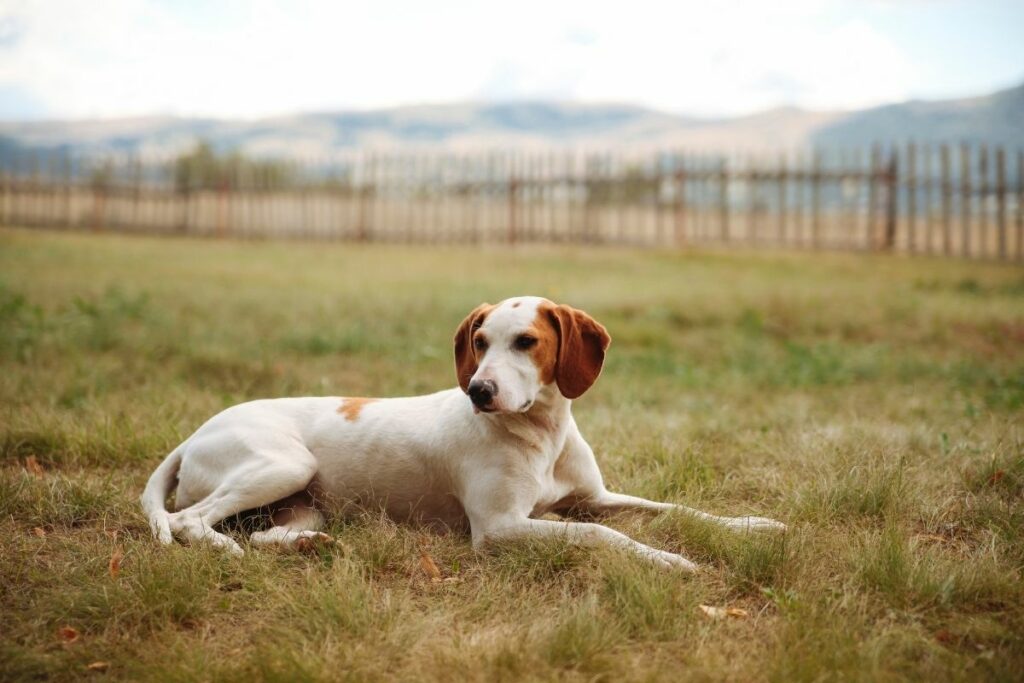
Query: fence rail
{"points": [[957, 200]]}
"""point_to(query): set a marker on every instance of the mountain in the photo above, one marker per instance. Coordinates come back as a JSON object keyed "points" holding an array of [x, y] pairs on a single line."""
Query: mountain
{"points": [[458, 128], [996, 119]]}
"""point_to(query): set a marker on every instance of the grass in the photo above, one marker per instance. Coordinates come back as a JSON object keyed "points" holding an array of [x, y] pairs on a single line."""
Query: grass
{"points": [[873, 403]]}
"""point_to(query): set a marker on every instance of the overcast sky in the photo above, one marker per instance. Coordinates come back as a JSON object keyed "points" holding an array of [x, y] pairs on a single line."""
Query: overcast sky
{"points": [[252, 58]]}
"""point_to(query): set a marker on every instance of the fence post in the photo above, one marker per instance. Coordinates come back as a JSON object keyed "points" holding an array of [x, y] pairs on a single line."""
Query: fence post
{"points": [[513, 188], [847, 180], [931, 188], [10, 189], [1020, 204], [184, 195], [365, 175], [891, 180], [983, 196], [873, 203], [783, 188], [723, 197], [100, 182], [911, 188], [5, 192], [588, 186], [947, 200], [36, 187], [965, 199], [816, 200], [679, 219], [1001, 201], [753, 177]]}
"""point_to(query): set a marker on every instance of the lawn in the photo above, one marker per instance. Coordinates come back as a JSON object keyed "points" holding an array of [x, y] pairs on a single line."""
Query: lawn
{"points": [[875, 404]]}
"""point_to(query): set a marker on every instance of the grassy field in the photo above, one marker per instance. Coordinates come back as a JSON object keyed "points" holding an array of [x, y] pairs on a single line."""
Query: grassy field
{"points": [[874, 404]]}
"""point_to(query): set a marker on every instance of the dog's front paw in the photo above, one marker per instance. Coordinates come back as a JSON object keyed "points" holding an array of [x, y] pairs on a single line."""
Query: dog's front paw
{"points": [[673, 562], [755, 524]]}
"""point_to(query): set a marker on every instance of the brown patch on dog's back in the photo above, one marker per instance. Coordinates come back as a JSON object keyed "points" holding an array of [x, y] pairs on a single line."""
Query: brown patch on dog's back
{"points": [[545, 352], [516, 304], [351, 407]]}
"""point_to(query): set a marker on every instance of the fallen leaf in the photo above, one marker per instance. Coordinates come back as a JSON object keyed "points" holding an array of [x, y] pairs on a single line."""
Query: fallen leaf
{"points": [[115, 563], [429, 566], [944, 636], [39, 531], [723, 612], [33, 467], [996, 477], [68, 634], [98, 666]]}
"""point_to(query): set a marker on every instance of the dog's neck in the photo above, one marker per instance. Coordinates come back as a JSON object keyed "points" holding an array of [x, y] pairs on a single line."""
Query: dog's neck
{"points": [[543, 422]]}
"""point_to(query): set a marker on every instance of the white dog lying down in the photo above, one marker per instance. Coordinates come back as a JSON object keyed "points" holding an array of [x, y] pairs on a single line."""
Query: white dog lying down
{"points": [[491, 463]]}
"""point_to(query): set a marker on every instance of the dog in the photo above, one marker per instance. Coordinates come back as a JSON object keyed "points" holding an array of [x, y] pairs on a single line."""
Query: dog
{"points": [[491, 457]]}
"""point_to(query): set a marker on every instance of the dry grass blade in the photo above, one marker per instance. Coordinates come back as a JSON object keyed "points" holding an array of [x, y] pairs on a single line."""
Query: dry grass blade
{"points": [[98, 666]]}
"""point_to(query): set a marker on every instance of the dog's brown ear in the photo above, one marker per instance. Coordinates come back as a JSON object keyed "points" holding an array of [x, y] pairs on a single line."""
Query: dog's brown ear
{"points": [[582, 342], [465, 356]]}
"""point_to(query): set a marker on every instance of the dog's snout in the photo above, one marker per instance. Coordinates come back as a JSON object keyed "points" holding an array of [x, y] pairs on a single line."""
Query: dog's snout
{"points": [[482, 392]]}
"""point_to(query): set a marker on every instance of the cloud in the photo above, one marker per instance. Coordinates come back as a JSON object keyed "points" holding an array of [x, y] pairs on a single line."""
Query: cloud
{"points": [[135, 57]]}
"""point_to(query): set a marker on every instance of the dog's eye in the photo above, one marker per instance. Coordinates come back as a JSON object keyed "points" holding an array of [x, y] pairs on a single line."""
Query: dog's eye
{"points": [[525, 341], [480, 343]]}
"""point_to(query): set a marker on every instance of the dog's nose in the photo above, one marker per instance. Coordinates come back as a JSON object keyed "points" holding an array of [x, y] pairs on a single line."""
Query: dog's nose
{"points": [[482, 392]]}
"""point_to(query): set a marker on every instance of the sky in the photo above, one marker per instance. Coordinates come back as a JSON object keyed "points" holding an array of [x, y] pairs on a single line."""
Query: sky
{"points": [[257, 58]]}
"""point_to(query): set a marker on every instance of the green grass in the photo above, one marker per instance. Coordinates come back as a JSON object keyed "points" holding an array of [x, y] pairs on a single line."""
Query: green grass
{"points": [[876, 404]]}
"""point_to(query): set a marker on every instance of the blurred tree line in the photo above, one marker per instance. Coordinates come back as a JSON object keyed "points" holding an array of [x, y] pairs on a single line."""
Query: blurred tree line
{"points": [[202, 168]]}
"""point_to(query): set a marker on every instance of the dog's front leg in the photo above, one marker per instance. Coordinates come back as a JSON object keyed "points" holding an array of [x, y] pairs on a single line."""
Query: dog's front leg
{"points": [[590, 497], [605, 502], [577, 533]]}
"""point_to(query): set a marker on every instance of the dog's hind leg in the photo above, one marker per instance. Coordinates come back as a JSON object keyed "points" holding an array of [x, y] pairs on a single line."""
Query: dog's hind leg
{"points": [[297, 524], [260, 480]]}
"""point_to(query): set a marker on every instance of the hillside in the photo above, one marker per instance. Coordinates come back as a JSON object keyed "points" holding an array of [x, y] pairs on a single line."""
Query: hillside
{"points": [[456, 128]]}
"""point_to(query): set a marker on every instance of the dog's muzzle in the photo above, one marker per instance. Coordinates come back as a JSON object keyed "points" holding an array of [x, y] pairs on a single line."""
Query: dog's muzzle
{"points": [[482, 393]]}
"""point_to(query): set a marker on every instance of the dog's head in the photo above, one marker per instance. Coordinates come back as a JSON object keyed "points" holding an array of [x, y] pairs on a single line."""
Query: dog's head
{"points": [[506, 353]]}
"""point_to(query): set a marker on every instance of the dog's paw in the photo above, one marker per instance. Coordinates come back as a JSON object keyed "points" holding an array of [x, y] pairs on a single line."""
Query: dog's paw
{"points": [[313, 542], [673, 562], [755, 524]]}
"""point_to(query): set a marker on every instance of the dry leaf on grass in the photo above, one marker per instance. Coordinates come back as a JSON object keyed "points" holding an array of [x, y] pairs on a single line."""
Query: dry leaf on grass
{"points": [[98, 666], [115, 563], [723, 612], [33, 467], [39, 531], [429, 566], [68, 634]]}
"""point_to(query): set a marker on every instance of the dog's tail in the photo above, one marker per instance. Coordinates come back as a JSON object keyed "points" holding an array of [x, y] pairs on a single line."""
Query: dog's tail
{"points": [[154, 498]]}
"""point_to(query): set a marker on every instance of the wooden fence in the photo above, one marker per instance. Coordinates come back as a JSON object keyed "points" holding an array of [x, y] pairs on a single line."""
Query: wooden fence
{"points": [[958, 200]]}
